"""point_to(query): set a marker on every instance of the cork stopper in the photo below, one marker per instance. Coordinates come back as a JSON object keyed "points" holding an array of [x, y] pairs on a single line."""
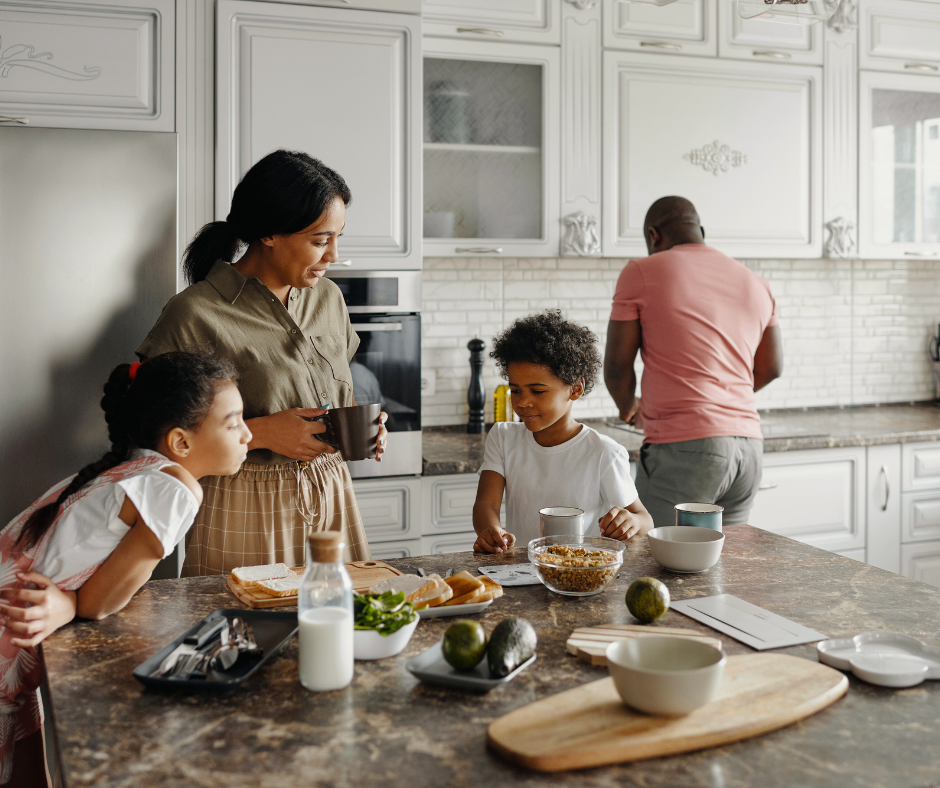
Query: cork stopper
{"points": [[326, 547]]}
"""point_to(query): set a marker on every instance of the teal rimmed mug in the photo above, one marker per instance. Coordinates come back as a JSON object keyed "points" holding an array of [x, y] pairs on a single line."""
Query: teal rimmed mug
{"points": [[700, 515]]}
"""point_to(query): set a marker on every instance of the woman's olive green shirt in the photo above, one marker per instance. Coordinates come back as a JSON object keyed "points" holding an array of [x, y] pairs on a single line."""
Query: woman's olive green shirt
{"points": [[294, 356]]}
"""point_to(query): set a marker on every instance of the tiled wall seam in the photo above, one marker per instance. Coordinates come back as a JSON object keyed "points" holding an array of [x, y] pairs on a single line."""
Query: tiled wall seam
{"points": [[854, 332]]}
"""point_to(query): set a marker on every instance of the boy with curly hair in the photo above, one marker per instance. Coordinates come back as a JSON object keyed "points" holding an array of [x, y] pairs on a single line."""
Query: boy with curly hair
{"points": [[550, 459]]}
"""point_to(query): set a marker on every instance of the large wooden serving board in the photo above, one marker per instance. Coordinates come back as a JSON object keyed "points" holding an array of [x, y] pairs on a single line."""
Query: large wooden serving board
{"points": [[590, 726], [590, 643], [364, 575]]}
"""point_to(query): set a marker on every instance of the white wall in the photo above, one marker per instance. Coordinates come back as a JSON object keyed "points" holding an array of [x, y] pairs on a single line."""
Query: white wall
{"points": [[855, 332]]}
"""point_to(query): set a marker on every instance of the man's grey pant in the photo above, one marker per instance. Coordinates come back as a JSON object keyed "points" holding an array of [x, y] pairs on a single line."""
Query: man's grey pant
{"points": [[725, 471]]}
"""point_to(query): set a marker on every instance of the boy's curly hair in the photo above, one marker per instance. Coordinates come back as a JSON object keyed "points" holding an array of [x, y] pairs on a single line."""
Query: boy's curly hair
{"points": [[568, 350]]}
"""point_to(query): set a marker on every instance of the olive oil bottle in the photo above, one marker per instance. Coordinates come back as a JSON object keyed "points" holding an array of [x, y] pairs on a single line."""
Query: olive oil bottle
{"points": [[502, 404]]}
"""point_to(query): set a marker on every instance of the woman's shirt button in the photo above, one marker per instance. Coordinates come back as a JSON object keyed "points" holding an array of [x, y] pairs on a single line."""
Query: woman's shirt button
{"points": [[293, 330]]}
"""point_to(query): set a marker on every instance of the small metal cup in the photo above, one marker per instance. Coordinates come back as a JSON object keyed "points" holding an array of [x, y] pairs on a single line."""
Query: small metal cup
{"points": [[701, 515], [561, 521]]}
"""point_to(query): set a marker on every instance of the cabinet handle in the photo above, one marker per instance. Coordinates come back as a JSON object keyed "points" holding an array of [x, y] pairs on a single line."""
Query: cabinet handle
{"points": [[921, 254], [661, 45], [921, 67], [884, 472], [768, 486], [775, 55], [480, 31], [9, 119], [480, 249]]}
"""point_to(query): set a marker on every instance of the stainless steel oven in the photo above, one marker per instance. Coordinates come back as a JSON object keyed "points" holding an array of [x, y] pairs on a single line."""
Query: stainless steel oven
{"points": [[384, 308]]}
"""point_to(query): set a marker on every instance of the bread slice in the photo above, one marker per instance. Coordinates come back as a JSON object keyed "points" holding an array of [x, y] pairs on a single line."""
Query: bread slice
{"points": [[281, 586], [466, 588], [491, 590], [249, 576], [412, 585], [435, 596]]}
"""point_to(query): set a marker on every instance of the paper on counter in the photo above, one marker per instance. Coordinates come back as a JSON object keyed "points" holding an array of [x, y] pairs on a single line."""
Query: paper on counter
{"points": [[511, 574], [752, 625]]}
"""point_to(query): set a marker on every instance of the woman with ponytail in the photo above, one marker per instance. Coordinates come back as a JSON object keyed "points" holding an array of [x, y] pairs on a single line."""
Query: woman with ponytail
{"points": [[91, 541], [285, 327]]}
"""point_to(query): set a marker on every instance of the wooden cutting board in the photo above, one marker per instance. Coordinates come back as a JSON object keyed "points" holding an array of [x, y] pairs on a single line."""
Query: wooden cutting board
{"points": [[589, 725], [590, 643], [364, 575]]}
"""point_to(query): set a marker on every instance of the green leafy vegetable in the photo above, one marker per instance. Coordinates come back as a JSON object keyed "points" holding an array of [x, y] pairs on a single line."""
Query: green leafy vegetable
{"points": [[385, 613]]}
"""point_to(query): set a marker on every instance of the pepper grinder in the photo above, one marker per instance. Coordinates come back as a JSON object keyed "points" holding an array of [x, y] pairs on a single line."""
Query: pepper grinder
{"points": [[475, 394]]}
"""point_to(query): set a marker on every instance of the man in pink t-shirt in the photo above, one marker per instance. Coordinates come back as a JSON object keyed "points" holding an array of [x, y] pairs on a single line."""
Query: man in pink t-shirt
{"points": [[706, 328]]}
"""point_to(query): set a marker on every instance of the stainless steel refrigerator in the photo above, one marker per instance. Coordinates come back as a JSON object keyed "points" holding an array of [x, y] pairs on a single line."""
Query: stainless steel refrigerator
{"points": [[87, 261]]}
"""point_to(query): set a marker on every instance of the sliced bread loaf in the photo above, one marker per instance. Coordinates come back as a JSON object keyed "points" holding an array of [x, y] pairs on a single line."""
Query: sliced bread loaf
{"points": [[281, 586], [437, 595], [466, 588], [412, 585], [249, 576]]}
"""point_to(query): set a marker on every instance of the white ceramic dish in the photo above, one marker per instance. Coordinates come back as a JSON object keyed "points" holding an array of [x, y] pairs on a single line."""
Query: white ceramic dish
{"points": [[369, 644], [430, 666], [685, 548], [454, 610], [888, 659], [665, 676]]}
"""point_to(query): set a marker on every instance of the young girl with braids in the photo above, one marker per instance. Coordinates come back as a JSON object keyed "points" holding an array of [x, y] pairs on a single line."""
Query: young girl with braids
{"points": [[91, 541]]}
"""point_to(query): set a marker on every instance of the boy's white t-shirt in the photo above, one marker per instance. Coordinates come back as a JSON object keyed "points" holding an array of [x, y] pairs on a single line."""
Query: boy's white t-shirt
{"points": [[589, 472]]}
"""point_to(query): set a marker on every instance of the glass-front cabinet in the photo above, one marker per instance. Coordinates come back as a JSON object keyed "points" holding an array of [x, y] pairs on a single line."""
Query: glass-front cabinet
{"points": [[490, 149], [899, 166]]}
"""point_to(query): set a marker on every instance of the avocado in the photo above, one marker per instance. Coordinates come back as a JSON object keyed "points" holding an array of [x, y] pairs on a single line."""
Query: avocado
{"points": [[512, 642]]}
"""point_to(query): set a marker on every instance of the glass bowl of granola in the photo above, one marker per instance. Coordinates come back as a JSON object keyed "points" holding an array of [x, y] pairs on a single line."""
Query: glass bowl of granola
{"points": [[576, 565]]}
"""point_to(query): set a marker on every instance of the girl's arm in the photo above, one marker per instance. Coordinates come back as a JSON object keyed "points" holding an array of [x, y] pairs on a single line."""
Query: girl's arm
{"points": [[491, 538], [50, 608]]}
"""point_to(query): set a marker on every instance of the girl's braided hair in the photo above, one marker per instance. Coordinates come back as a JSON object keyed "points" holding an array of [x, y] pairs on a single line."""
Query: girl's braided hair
{"points": [[173, 390], [567, 349]]}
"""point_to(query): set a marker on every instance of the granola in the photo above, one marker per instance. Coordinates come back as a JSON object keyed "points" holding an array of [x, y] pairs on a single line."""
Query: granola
{"points": [[579, 571]]}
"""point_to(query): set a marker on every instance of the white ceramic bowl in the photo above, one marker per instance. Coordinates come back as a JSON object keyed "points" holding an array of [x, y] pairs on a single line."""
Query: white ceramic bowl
{"points": [[369, 644], [665, 676], [685, 548]]}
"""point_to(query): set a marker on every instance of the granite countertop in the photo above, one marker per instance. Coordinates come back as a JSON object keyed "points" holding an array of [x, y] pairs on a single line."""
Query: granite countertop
{"points": [[388, 729], [449, 450]]}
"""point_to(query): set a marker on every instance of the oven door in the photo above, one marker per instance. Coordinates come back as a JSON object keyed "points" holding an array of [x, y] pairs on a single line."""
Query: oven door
{"points": [[387, 369]]}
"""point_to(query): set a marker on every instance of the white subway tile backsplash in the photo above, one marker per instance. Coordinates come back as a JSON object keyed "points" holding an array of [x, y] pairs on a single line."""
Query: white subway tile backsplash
{"points": [[854, 332]]}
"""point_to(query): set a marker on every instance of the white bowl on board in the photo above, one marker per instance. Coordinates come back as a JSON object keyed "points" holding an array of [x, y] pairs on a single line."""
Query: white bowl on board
{"points": [[665, 676], [685, 548], [369, 644]]}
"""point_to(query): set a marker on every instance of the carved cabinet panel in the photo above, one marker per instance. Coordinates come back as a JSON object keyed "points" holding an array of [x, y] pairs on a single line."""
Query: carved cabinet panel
{"points": [[684, 27], [106, 65], [531, 21]]}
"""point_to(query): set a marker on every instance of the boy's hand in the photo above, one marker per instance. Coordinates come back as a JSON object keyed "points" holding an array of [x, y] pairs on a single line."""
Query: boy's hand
{"points": [[620, 524], [50, 609], [493, 540]]}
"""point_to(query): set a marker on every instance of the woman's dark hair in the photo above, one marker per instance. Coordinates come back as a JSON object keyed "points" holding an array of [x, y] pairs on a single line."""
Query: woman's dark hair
{"points": [[568, 350], [281, 194], [168, 391]]}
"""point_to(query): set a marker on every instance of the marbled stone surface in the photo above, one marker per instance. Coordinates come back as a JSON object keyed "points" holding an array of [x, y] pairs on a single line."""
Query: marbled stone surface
{"points": [[450, 450], [388, 729]]}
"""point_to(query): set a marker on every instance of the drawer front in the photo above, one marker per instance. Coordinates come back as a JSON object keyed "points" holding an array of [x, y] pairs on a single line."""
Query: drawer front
{"points": [[900, 35], [685, 27], [403, 548], [814, 497], [389, 509], [922, 562], [759, 40], [920, 516], [448, 503], [451, 543], [920, 466], [534, 21]]}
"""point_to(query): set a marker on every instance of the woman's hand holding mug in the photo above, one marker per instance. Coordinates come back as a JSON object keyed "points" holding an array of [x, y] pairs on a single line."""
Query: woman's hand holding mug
{"points": [[291, 433]]}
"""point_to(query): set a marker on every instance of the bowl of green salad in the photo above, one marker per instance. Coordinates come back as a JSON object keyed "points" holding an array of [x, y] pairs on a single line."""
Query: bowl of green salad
{"points": [[384, 623]]}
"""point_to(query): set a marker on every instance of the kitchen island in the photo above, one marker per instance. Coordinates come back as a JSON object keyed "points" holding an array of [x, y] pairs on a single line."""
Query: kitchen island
{"points": [[388, 729]]}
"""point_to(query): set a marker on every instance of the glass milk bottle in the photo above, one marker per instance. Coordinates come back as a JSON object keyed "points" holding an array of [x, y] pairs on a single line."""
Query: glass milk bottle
{"points": [[325, 615]]}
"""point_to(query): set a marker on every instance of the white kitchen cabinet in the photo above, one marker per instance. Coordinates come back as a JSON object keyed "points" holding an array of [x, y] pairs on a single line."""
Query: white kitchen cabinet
{"points": [[856, 555], [491, 149], [447, 503], [403, 548], [686, 27], [899, 166], [921, 562], [390, 508], [451, 543], [741, 140], [900, 35], [883, 507], [920, 516], [527, 21], [921, 466], [400, 6], [816, 497], [759, 39], [102, 65], [920, 512], [341, 85]]}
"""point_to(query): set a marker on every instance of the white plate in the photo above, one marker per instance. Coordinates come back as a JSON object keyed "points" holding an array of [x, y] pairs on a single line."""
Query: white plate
{"points": [[453, 610], [512, 574], [888, 659], [430, 666]]}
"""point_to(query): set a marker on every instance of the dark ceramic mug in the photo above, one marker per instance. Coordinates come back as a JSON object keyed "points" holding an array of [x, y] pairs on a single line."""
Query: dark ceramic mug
{"points": [[353, 430]]}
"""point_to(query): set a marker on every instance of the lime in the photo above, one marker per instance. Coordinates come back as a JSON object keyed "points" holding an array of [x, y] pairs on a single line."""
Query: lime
{"points": [[464, 644], [647, 599]]}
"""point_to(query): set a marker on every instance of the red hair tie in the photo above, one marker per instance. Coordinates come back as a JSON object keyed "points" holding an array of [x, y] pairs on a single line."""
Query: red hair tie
{"points": [[132, 372]]}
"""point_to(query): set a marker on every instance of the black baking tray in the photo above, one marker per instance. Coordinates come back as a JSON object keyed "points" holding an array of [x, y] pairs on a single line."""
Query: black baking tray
{"points": [[272, 631]]}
